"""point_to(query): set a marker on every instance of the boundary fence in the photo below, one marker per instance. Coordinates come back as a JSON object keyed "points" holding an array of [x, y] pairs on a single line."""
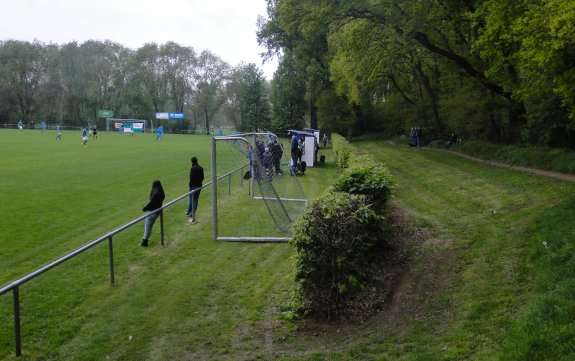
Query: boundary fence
{"points": [[14, 286]]}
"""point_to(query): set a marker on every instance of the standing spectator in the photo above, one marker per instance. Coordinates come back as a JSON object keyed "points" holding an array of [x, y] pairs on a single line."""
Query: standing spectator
{"points": [[277, 153], [250, 156], [294, 152], [20, 126], [196, 179], [301, 148], [325, 140], [58, 131], [157, 197], [412, 138], [267, 161], [259, 164], [452, 139], [419, 136], [250, 153], [84, 137], [316, 149]]}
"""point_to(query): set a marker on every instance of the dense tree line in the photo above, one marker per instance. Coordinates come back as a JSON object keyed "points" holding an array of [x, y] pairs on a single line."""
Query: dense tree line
{"points": [[69, 83], [498, 70]]}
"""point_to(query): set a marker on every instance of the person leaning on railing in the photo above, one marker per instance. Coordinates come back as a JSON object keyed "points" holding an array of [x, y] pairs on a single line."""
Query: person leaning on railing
{"points": [[157, 197]]}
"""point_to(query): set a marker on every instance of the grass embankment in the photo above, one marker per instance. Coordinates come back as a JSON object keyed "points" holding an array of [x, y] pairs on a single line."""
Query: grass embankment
{"points": [[552, 159], [490, 277], [510, 252]]}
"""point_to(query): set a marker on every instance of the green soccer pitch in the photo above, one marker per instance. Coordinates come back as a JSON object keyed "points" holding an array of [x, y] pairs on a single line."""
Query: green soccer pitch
{"points": [[58, 195]]}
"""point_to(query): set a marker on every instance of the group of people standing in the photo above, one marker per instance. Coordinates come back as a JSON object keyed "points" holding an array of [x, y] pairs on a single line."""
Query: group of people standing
{"points": [[269, 157], [416, 137]]}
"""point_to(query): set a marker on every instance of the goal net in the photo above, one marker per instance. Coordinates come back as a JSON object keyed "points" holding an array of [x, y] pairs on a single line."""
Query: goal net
{"points": [[255, 196]]}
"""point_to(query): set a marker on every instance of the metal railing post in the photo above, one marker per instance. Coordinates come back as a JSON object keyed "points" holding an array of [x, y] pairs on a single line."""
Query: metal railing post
{"points": [[230, 184], [17, 339], [193, 196], [111, 256], [162, 227], [253, 166], [214, 191]]}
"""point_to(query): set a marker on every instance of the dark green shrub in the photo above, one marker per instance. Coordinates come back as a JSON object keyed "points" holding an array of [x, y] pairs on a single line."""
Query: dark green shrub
{"points": [[341, 150], [374, 182], [333, 240]]}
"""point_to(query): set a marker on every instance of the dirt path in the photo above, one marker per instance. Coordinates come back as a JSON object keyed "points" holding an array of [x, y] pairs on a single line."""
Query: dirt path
{"points": [[541, 172]]}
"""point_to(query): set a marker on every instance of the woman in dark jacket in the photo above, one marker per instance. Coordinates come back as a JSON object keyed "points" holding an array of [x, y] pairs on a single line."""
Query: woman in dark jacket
{"points": [[157, 197]]}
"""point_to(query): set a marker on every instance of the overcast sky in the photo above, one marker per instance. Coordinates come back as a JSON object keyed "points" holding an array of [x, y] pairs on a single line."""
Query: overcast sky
{"points": [[225, 27]]}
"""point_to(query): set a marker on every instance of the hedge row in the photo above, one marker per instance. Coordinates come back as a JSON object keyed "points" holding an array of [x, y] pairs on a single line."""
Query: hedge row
{"points": [[337, 235]]}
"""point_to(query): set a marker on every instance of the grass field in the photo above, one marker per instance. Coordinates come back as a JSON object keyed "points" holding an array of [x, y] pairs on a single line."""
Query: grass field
{"points": [[490, 276]]}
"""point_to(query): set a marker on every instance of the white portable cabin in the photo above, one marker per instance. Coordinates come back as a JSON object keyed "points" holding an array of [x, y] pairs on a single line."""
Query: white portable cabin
{"points": [[315, 132]]}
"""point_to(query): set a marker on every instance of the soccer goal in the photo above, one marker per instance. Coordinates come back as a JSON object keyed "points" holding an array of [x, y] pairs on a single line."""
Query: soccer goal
{"points": [[255, 196]]}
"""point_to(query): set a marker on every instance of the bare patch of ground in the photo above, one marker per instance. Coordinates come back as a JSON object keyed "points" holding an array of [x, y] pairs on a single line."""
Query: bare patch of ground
{"points": [[412, 285]]}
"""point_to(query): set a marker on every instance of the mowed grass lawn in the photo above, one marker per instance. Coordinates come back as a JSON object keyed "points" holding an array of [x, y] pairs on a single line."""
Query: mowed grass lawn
{"points": [[504, 241], [187, 300]]}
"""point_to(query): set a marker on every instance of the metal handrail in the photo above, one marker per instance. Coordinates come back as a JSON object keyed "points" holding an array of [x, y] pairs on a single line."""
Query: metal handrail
{"points": [[14, 286]]}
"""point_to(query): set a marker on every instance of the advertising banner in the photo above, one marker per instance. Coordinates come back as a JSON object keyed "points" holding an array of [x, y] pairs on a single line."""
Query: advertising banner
{"points": [[170, 116], [105, 113], [176, 115]]}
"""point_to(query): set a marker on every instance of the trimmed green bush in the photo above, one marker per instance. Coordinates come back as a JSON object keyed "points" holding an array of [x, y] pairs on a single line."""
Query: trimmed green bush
{"points": [[374, 182], [332, 239], [341, 150], [336, 237]]}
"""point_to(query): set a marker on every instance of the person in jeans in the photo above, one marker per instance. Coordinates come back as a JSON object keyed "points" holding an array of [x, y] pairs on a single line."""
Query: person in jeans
{"points": [[196, 179], [157, 197]]}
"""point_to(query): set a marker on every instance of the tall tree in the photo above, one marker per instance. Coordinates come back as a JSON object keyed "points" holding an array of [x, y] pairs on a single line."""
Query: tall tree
{"points": [[291, 28], [288, 96], [149, 76], [208, 88], [255, 106], [24, 70]]}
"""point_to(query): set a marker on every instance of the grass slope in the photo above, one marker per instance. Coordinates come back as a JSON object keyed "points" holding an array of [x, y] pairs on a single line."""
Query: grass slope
{"points": [[510, 252]]}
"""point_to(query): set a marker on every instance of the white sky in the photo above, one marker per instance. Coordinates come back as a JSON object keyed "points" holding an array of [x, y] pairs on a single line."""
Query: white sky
{"points": [[225, 27]]}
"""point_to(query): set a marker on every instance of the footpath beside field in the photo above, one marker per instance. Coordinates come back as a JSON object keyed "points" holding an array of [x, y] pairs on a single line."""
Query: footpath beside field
{"points": [[541, 172]]}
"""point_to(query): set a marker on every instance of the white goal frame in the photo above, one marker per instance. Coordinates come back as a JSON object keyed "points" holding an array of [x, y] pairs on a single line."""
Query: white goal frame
{"points": [[216, 178]]}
